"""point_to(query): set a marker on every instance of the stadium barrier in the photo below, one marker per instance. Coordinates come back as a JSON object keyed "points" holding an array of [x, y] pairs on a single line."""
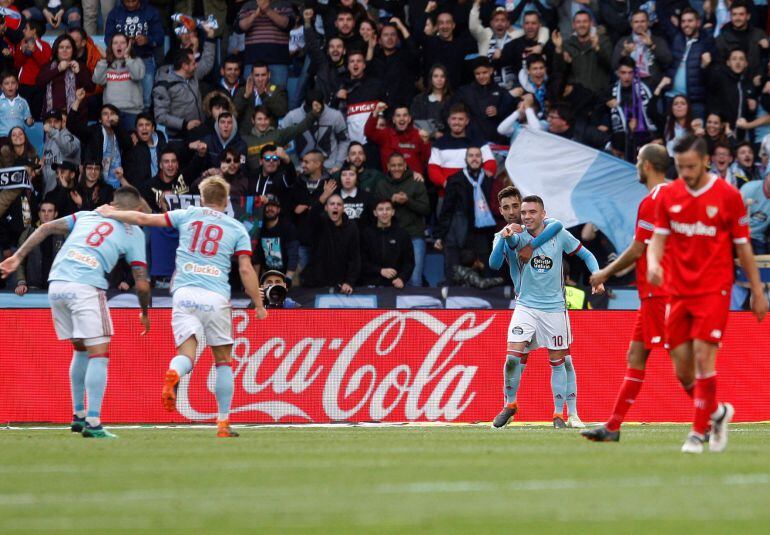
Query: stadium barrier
{"points": [[365, 365]]}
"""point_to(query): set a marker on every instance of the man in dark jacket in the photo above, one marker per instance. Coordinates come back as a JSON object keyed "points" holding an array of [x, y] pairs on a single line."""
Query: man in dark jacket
{"points": [[141, 161], [275, 175], [329, 64], [387, 257], [104, 142], [357, 95], [442, 44], [488, 102], [278, 245], [692, 50], [466, 220], [731, 93], [396, 63], [739, 33], [650, 52], [170, 180], [335, 256], [412, 207], [515, 52]]}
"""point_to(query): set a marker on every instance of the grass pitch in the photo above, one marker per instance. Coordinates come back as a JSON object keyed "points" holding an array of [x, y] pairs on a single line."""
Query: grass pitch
{"points": [[437, 479]]}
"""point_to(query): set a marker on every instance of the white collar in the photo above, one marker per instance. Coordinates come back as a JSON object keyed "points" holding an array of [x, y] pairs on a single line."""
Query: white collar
{"points": [[704, 189], [352, 193]]}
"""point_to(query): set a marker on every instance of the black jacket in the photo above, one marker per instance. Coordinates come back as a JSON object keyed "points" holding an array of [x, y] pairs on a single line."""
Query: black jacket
{"points": [[478, 98], [728, 93], [513, 53], [302, 194], [137, 162], [389, 247], [397, 72], [92, 141], [335, 256], [279, 184], [458, 205], [696, 78]]}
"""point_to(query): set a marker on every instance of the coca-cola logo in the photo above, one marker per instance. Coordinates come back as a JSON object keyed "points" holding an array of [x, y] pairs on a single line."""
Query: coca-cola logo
{"points": [[368, 376]]}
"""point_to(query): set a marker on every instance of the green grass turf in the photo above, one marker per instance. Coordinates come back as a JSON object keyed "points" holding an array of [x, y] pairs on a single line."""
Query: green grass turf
{"points": [[437, 479]]}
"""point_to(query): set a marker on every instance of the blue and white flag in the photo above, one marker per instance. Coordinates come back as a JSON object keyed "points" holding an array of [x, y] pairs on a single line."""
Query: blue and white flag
{"points": [[577, 183]]}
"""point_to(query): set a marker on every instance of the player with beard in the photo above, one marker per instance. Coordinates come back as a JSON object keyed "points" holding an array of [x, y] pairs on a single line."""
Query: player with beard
{"points": [[700, 218], [509, 200]]}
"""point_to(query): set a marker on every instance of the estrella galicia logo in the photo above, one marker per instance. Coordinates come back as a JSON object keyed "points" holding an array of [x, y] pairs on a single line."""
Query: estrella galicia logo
{"points": [[518, 330], [541, 264]]}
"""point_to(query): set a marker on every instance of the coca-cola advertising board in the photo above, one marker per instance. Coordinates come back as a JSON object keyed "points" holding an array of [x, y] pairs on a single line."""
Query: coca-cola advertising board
{"points": [[317, 366]]}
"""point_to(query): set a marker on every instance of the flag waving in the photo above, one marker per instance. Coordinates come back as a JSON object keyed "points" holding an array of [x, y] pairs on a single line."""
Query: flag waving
{"points": [[577, 183]]}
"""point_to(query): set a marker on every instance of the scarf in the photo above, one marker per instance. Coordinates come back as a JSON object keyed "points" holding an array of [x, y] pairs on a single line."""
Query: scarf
{"points": [[482, 215], [642, 56], [154, 155], [70, 86], [637, 108], [110, 159]]}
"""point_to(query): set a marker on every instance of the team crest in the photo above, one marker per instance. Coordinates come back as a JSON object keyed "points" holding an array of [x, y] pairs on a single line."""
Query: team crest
{"points": [[518, 330], [676, 208], [541, 263], [711, 211]]}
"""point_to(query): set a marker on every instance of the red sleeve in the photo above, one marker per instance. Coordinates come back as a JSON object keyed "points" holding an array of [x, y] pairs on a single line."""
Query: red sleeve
{"points": [[645, 221], [372, 133], [42, 55], [662, 222], [739, 218], [437, 174], [490, 166], [240, 253]]}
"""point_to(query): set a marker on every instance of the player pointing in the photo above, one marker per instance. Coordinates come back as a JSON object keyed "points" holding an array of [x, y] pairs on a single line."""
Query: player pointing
{"points": [[699, 219], [540, 318], [78, 302], [208, 239]]}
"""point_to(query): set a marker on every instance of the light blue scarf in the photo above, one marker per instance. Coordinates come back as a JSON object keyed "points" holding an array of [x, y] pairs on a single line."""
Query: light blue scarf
{"points": [[481, 212]]}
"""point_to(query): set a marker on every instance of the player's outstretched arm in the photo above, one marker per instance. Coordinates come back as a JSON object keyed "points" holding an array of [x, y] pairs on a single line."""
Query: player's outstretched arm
{"points": [[654, 256], [496, 257], [626, 259], [57, 226], [133, 218], [251, 285], [143, 293], [749, 265]]}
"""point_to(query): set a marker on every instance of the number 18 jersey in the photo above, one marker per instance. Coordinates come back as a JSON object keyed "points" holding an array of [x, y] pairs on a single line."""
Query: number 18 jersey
{"points": [[93, 247], [208, 239]]}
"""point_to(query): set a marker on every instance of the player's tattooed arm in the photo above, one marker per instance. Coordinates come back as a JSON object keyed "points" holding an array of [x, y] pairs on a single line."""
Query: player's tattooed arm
{"points": [[143, 292], [57, 226]]}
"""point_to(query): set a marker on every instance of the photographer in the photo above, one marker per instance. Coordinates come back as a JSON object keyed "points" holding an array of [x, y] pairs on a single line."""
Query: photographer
{"points": [[273, 286]]}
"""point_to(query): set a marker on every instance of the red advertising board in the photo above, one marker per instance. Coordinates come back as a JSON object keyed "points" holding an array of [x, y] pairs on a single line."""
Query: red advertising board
{"points": [[365, 365]]}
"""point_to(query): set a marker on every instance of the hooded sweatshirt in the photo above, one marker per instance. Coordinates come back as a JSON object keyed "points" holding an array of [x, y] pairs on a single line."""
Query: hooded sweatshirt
{"points": [[409, 143], [123, 83], [216, 144]]}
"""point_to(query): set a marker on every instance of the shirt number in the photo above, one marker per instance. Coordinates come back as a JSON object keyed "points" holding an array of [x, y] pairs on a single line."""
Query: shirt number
{"points": [[209, 245], [99, 234]]}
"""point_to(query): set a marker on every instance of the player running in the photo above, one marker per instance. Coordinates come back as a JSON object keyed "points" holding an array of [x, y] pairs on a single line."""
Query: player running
{"points": [[649, 332], [509, 199], [208, 239], [540, 318], [699, 218], [78, 303]]}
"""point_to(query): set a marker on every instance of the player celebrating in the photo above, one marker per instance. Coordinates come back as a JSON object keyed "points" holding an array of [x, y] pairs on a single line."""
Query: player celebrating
{"points": [[652, 163], [78, 303], [509, 199], [701, 216], [540, 318], [208, 239]]}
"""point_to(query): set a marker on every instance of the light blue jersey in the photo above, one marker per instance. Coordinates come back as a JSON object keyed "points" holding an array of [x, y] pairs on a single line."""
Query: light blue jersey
{"points": [[208, 239], [758, 207], [502, 251], [93, 248], [541, 280]]}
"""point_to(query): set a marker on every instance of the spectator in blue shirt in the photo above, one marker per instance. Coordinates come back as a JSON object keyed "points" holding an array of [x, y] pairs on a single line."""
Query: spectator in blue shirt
{"points": [[14, 110], [756, 195]]}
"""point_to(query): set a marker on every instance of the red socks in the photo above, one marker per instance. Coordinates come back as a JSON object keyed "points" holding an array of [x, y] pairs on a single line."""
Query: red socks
{"points": [[632, 384], [705, 402]]}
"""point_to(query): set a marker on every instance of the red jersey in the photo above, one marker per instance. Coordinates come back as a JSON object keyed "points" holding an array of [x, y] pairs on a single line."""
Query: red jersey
{"points": [[645, 225], [701, 227]]}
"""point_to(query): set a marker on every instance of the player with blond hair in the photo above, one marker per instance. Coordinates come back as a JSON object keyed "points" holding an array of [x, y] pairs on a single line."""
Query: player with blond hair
{"points": [[208, 239]]}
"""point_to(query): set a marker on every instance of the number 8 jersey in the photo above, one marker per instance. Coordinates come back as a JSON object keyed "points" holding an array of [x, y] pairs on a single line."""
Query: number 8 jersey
{"points": [[208, 239], [93, 247]]}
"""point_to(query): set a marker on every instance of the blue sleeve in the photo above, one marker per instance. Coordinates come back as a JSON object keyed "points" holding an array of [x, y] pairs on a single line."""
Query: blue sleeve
{"points": [[137, 251], [552, 228], [588, 258], [497, 255], [512, 241], [109, 27], [243, 245], [176, 218]]}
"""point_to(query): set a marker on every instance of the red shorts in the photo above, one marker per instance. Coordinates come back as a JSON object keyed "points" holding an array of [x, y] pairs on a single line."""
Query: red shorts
{"points": [[650, 328], [701, 317]]}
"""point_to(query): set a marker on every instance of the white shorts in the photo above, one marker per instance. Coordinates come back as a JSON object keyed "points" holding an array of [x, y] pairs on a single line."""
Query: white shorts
{"points": [[198, 312], [80, 312], [541, 329]]}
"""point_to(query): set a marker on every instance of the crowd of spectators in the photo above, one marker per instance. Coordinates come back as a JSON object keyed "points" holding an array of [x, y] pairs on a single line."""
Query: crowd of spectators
{"points": [[359, 135]]}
